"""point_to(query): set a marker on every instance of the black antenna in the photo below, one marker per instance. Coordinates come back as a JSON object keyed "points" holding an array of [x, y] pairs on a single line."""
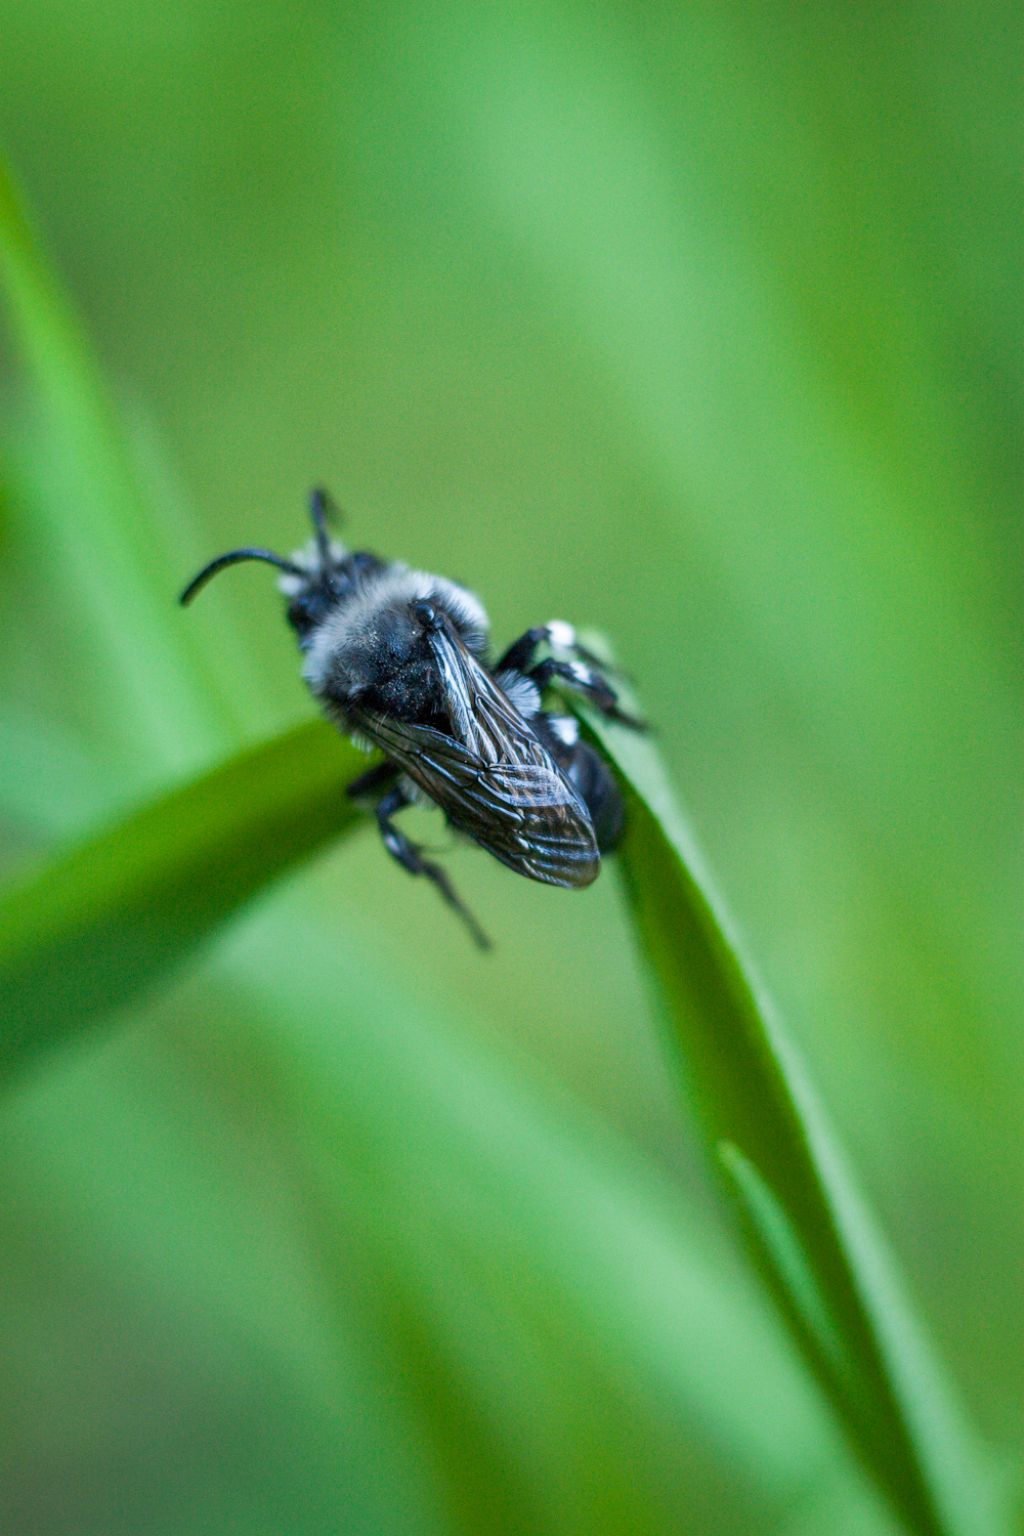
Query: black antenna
{"points": [[322, 509], [232, 558]]}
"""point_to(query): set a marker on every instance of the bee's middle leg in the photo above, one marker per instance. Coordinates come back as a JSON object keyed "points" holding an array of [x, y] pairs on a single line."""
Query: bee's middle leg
{"points": [[380, 776], [410, 856], [556, 633], [579, 677]]}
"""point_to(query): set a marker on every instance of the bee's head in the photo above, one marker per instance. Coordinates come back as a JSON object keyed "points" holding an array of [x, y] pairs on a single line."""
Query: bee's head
{"points": [[319, 581], [314, 580]]}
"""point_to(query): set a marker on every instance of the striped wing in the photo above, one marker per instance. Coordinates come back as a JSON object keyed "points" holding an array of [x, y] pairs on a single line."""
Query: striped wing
{"points": [[492, 777]]}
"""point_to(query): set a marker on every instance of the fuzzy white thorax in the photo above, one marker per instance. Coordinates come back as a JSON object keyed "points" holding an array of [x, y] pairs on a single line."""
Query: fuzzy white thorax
{"points": [[395, 586]]}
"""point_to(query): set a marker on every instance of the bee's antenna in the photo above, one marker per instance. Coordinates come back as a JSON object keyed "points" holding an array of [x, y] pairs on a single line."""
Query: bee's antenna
{"points": [[322, 509], [232, 558]]}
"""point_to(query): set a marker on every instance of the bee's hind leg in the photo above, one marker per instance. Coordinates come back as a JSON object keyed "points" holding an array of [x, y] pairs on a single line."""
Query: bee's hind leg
{"points": [[410, 856]]}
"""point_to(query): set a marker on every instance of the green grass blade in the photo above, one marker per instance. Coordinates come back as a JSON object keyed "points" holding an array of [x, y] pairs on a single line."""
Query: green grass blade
{"points": [[813, 1237], [89, 519], [97, 925], [786, 1266]]}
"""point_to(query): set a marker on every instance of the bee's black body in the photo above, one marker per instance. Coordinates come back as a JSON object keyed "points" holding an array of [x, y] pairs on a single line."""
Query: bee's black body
{"points": [[399, 660]]}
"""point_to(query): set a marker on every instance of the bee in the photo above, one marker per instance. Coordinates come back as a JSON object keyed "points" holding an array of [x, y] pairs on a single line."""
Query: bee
{"points": [[398, 660]]}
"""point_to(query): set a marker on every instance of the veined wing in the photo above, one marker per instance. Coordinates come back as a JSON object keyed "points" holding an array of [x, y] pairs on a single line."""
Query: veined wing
{"points": [[492, 777]]}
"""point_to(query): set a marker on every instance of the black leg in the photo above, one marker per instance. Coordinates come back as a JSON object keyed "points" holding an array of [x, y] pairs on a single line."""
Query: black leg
{"points": [[522, 651], [381, 776], [556, 633], [411, 858], [578, 677]]}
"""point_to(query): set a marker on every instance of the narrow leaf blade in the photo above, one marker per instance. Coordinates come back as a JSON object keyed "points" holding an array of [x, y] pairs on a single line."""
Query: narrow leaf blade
{"points": [[97, 925], [85, 509], [750, 1090]]}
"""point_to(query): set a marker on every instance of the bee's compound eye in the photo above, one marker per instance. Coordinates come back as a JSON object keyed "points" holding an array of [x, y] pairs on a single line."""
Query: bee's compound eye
{"points": [[426, 614]]}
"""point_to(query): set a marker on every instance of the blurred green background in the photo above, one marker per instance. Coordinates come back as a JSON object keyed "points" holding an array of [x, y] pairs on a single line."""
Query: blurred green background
{"points": [[701, 323]]}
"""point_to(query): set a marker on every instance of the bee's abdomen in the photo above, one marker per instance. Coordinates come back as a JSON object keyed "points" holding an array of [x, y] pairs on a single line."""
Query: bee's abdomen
{"points": [[588, 774]]}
